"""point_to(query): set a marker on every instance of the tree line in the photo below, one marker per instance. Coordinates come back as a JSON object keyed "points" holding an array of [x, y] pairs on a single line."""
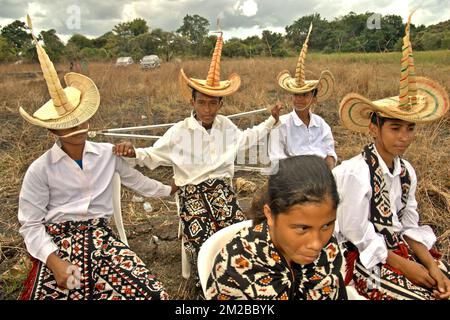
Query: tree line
{"points": [[365, 32]]}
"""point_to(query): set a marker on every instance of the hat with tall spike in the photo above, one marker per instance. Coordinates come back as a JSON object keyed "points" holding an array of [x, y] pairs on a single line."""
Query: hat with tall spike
{"points": [[212, 86], [299, 84], [420, 100], [69, 106]]}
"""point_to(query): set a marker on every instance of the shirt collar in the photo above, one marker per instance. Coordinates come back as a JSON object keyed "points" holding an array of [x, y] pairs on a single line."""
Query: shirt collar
{"points": [[89, 147], [298, 122], [384, 167], [57, 153], [193, 123]]}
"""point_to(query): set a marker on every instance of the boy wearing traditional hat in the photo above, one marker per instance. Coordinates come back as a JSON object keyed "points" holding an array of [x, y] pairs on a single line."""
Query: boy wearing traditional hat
{"points": [[66, 199], [389, 255], [201, 150], [302, 132]]}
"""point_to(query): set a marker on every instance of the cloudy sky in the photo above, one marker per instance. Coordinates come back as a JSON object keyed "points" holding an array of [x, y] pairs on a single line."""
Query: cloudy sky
{"points": [[239, 18]]}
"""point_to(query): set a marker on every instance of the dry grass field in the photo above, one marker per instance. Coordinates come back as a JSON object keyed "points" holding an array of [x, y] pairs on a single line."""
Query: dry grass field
{"points": [[128, 94]]}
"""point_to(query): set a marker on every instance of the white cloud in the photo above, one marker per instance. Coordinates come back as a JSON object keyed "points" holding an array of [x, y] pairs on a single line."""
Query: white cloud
{"points": [[5, 22], [427, 11], [248, 8], [238, 17], [129, 12], [243, 32], [36, 10]]}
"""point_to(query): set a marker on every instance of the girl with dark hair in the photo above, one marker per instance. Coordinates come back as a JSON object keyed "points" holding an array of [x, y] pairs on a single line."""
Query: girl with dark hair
{"points": [[290, 251]]}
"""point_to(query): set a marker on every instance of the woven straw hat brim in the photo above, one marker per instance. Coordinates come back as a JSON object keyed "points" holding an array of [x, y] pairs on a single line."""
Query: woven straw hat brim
{"points": [[432, 103], [224, 88], [89, 101], [325, 84]]}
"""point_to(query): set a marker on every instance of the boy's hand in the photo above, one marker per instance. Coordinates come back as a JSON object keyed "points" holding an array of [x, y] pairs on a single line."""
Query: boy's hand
{"points": [[67, 275], [417, 274], [124, 149], [174, 187], [276, 111], [331, 162], [442, 288]]}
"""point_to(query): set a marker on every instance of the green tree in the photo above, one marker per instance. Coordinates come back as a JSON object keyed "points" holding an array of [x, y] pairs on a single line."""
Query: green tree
{"points": [[392, 28], [353, 26], [431, 41], [16, 35], [433, 37], [93, 54], [195, 28], [102, 41], [148, 42], [272, 41], [138, 26], [124, 40], [235, 48], [445, 43], [255, 46], [178, 45], [53, 45], [351, 33], [132, 28], [296, 33], [80, 41], [6, 52], [208, 46], [72, 52], [130, 47], [383, 37], [169, 43]]}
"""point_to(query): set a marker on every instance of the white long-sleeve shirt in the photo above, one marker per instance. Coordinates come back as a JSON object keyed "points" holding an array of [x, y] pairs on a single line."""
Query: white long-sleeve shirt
{"points": [[353, 224], [292, 138], [197, 155], [55, 189]]}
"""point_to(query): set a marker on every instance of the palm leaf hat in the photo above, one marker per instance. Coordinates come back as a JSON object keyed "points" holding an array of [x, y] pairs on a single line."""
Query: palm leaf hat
{"points": [[212, 86], [420, 99], [298, 83], [69, 106]]}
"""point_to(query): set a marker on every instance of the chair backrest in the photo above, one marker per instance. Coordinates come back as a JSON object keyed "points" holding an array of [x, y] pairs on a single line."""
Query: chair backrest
{"points": [[212, 246], [352, 293], [118, 209]]}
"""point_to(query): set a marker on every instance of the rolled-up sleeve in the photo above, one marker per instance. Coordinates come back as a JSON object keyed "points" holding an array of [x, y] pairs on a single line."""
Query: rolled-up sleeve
{"points": [[277, 143], [328, 141], [410, 217], [33, 202], [136, 181], [252, 136], [156, 155], [354, 224]]}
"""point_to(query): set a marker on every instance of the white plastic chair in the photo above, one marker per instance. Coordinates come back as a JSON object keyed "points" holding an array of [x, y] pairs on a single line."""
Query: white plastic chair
{"points": [[185, 265], [352, 294], [212, 246], [217, 241], [118, 208]]}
